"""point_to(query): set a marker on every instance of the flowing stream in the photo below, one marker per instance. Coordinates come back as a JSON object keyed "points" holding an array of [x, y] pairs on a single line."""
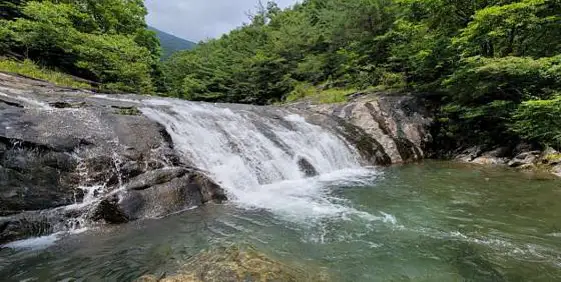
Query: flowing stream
{"points": [[433, 221]]}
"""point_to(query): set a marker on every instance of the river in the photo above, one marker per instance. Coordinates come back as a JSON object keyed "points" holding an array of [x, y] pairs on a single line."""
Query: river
{"points": [[432, 221]]}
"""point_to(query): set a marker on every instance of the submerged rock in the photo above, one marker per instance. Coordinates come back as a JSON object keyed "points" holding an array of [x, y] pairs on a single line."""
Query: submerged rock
{"points": [[239, 264]]}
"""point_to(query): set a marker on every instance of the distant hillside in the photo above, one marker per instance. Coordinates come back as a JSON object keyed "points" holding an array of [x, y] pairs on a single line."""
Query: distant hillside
{"points": [[171, 44]]}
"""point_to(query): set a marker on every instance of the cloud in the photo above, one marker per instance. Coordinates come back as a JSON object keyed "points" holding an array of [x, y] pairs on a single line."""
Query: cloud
{"points": [[196, 20]]}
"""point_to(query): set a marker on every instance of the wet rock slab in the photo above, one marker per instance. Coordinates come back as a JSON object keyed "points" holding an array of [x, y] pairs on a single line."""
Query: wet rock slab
{"points": [[68, 156]]}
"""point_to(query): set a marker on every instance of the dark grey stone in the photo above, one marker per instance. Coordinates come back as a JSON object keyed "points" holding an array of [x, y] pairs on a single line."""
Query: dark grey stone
{"points": [[155, 177], [307, 168]]}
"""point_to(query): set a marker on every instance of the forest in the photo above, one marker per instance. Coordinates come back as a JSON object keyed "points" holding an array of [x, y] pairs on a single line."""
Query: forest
{"points": [[491, 69]]}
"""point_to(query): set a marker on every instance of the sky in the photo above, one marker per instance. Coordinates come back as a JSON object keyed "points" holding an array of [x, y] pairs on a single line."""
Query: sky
{"points": [[197, 20]]}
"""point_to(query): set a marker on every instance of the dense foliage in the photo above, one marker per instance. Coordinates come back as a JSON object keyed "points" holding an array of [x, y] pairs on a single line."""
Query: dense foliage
{"points": [[539, 120], [105, 41], [493, 67]]}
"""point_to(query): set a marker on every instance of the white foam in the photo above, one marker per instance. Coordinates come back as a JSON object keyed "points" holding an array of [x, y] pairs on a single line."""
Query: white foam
{"points": [[43, 242], [303, 200], [31, 102], [388, 218], [256, 158], [37, 243], [295, 118], [114, 98]]}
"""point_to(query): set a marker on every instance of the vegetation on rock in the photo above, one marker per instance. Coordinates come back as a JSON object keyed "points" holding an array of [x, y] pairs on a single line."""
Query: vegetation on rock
{"points": [[32, 70]]}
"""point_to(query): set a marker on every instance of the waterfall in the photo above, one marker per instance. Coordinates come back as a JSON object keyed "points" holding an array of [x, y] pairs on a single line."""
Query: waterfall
{"points": [[278, 161], [255, 153]]}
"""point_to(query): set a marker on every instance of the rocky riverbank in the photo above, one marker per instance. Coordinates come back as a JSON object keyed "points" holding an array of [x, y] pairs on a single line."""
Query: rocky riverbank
{"points": [[402, 126], [523, 157]]}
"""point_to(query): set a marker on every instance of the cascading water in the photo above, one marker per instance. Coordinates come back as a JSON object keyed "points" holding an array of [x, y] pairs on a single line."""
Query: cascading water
{"points": [[255, 154], [266, 158]]}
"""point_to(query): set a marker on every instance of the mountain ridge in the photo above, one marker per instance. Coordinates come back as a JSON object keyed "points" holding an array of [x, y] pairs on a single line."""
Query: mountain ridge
{"points": [[171, 43]]}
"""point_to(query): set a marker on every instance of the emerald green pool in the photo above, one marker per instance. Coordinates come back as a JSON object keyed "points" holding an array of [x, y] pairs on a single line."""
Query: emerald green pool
{"points": [[434, 221]]}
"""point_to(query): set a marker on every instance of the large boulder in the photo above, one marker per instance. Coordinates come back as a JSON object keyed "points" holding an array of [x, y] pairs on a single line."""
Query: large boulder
{"points": [[551, 160], [556, 170], [173, 190], [397, 125], [524, 159], [34, 176], [497, 156], [237, 264]]}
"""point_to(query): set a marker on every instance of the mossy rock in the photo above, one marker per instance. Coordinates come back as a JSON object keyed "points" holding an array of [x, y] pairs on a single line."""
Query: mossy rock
{"points": [[236, 264], [553, 158], [128, 111]]}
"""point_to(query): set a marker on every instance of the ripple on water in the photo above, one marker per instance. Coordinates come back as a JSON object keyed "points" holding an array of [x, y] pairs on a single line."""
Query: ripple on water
{"points": [[369, 231]]}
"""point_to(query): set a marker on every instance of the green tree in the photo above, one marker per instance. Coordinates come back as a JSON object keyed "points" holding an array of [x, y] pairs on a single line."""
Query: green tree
{"points": [[523, 28], [104, 41], [11, 9], [538, 120]]}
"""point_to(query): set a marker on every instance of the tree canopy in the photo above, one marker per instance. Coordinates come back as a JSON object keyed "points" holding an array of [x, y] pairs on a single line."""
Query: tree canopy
{"points": [[105, 41], [487, 63], [491, 67]]}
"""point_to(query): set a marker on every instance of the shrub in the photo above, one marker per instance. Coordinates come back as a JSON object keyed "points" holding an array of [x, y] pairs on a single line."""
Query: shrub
{"points": [[539, 120], [301, 90]]}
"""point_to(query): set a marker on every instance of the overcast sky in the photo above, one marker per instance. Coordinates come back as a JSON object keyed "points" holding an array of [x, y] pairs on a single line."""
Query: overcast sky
{"points": [[196, 20]]}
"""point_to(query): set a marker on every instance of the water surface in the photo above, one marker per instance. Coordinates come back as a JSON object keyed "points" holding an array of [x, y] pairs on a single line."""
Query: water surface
{"points": [[434, 221]]}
